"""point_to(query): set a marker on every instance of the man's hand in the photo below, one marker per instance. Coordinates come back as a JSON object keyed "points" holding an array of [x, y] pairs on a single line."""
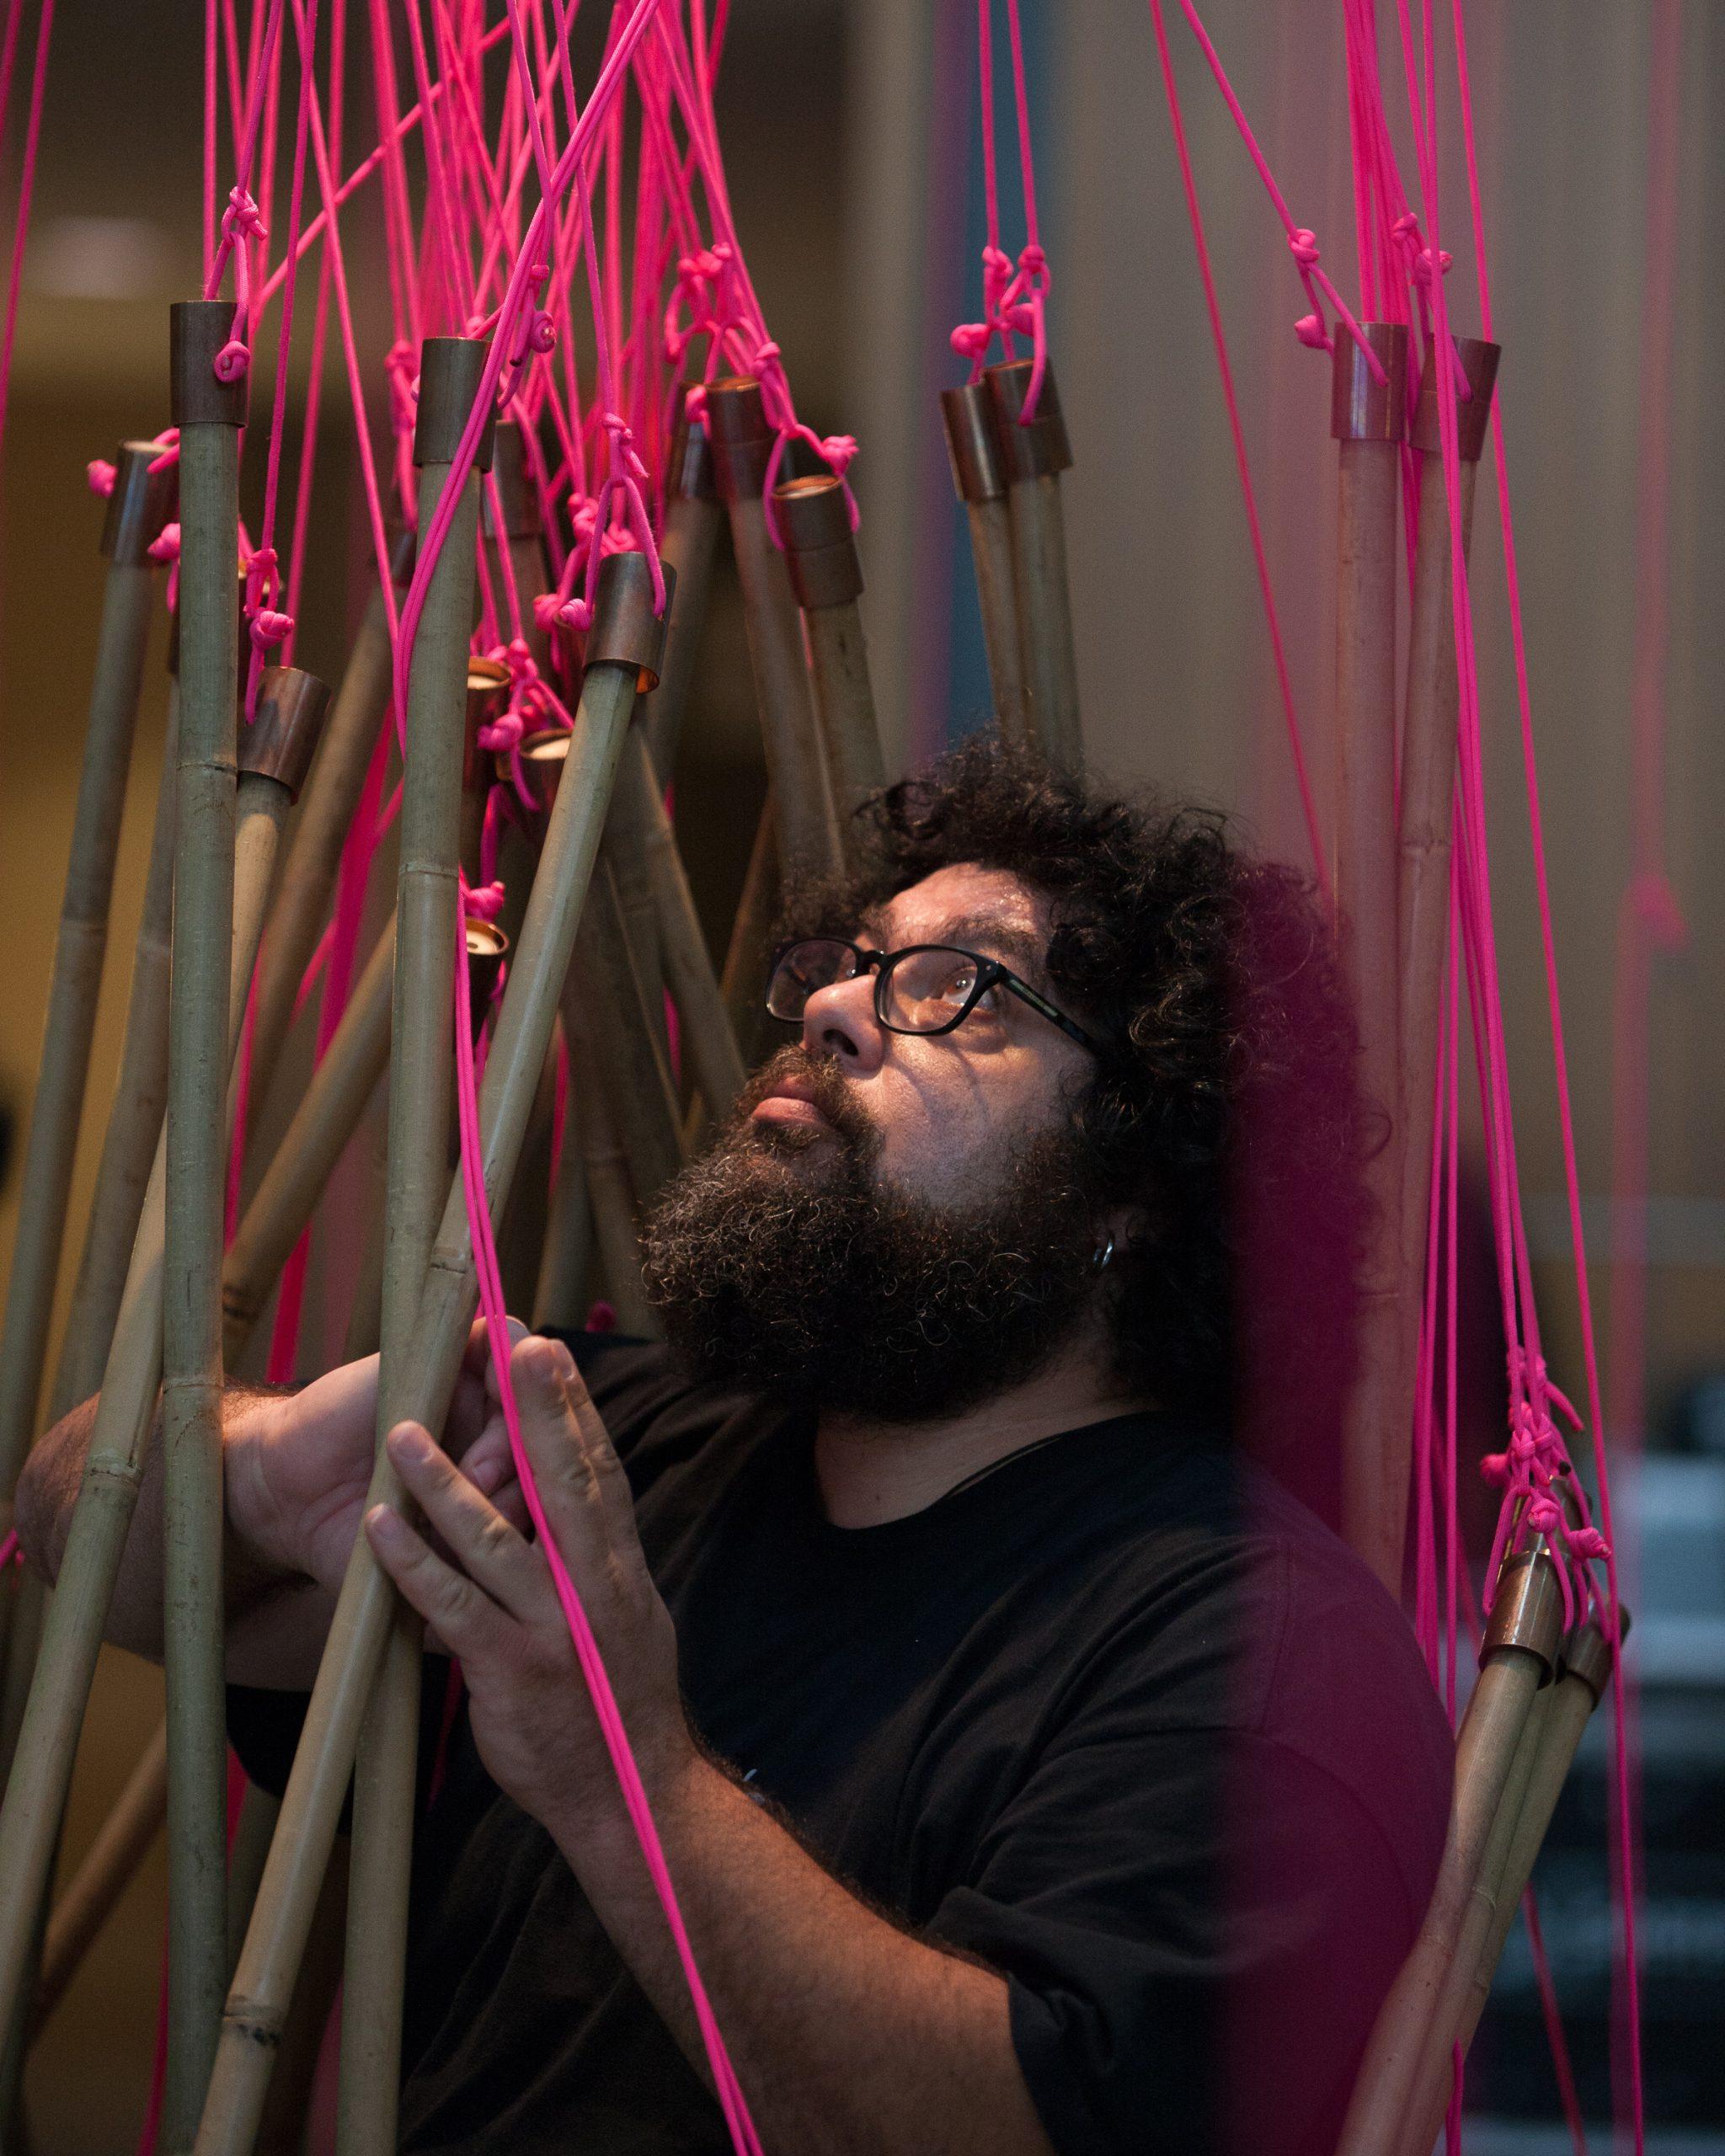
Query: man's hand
{"points": [[492, 1601], [298, 1464]]}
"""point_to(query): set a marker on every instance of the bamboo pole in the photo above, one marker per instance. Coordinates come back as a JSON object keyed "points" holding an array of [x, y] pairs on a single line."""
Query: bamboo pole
{"points": [[608, 1190], [826, 580], [326, 1119], [435, 790], [708, 1039], [422, 1380], [126, 1837], [136, 510], [743, 982], [209, 413], [509, 513], [560, 1299], [808, 816], [254, 1830], [1033, 454], [980, 477], [1517, 1657], [72, 1636], [1427, 793], [133, 1120], [324, 823], [692, 517], [1366, 418]]}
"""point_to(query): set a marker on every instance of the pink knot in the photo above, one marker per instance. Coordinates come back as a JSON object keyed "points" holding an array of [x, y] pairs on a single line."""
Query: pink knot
{"points": [[574, 614], [502, 734], [165, 548], [101, 475], [1311, 332], [969, 341], [1545, 1515], [484, 902], [994, 260], [542, 333], [1302, 245], [1587, 1543], [1494, 1468], [1422, 265], [767, 355], [232, 361], [547, 611], [269, 628], [242, 219], [1033, 260], [840, 451], [1406, 226]]}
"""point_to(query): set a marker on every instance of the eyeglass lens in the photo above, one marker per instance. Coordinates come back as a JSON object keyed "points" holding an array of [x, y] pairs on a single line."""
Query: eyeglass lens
{"points": [[920, 992]]}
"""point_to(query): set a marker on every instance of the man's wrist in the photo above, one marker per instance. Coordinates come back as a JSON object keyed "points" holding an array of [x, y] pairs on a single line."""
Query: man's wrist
{"points": [[680, 1784]]}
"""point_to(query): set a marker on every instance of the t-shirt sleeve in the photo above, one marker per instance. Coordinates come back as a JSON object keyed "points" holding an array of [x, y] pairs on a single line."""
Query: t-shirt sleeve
{"points": [[1196, 1927]]}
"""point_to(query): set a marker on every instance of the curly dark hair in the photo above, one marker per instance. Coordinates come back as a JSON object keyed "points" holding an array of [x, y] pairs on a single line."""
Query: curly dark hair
{"points": [[1225, 1102]]}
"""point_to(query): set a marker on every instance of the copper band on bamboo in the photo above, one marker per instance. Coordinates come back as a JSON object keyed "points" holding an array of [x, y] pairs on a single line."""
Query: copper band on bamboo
{"points": [[1587, 1653], [515, 497], [197, 331], [142, 502], [626, 631], [1030, 449], [1527, 1608], [1473, 412], [451, 370], [740, 435], [979, 472], [820, 548], [1362, 407], [282, 738]]}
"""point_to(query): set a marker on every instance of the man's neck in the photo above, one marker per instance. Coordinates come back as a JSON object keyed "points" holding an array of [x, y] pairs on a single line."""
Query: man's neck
{"points": [[872, 1471]]}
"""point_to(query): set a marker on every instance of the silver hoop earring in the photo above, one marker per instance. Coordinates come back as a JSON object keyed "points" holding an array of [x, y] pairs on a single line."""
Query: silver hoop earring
{"points": [[1102, 1256]]}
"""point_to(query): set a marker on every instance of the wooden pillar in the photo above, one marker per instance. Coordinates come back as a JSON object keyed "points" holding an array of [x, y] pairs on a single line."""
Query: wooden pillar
{"points": [[826, 580], [622, 640], [742, 443], [421, 1098], [1366, 418], [1034, 453], [979, 476]]}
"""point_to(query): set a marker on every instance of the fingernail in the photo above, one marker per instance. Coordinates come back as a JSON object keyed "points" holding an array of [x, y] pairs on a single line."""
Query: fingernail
{"points": [[486, 1476], [408, 1441], [382, 1523]]}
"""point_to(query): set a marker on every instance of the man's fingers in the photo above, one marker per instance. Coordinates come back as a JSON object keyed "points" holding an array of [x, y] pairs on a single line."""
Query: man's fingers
{"points": [[482, 1540], [517, 1333], [586, 1492], [468, 1622]]}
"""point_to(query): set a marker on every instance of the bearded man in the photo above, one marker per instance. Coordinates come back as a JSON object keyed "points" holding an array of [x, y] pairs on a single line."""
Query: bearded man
{"points": [[1034, 1770]]}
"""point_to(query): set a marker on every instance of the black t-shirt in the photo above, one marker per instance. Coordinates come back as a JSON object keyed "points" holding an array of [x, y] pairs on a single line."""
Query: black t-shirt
{"points": [[1118, 1718]]}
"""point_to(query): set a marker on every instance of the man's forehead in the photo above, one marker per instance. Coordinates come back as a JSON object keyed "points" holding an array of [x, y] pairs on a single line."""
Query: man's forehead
{"points": [[964, 904]]}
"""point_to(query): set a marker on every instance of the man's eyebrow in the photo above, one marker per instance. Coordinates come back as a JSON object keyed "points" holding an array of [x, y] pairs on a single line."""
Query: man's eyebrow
{"points": [[994, 938]]}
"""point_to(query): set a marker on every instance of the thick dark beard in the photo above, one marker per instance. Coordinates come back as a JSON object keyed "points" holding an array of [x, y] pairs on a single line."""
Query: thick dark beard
{"points": [[814, 1283]]}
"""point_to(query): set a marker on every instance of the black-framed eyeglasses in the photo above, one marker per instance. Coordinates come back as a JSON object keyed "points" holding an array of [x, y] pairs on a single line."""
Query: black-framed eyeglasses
{"points": [[926, 988]]}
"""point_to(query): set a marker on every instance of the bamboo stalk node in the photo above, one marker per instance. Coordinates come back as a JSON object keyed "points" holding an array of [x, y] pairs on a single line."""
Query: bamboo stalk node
{"points": [[741, 436], [1473, 414], [979, 473], [280, 742], [626, 631], [1363, 408], [451, 370], [142, 501], [197, 329], [1030, 449], [820, 547]]}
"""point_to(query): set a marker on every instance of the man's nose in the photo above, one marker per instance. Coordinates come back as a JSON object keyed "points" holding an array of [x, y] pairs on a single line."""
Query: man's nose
{"points": [[839, 1021]]}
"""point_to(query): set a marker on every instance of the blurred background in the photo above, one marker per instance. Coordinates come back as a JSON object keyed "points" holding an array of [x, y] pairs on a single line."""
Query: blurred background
{"points": [[852, 142]]}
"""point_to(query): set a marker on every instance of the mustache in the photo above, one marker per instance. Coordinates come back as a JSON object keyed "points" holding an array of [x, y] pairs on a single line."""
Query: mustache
{"points": [[825, 1081]]}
